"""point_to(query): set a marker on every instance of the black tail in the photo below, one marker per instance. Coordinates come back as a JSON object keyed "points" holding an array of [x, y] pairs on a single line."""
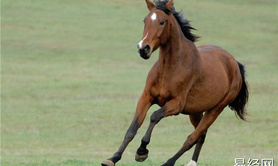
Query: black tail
{"points": [[240, 101]]}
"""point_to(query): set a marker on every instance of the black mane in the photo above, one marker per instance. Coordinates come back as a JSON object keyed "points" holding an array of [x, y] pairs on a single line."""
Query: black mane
{"points": [[184, 23]]}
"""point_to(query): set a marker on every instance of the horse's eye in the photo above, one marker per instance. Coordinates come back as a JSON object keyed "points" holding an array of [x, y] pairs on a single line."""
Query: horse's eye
{"points": [[162, 22]]}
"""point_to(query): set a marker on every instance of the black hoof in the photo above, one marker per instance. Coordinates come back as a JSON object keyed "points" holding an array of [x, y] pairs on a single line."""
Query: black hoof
{"points": [[141, 158], [107, 163], [141, 154]]}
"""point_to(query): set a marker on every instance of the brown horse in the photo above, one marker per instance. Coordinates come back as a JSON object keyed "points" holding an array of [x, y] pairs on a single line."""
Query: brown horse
{"points": [[199, 82]]}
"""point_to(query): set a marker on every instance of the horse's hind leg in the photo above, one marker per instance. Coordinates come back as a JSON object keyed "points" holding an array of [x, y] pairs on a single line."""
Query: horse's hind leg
{"points": [[195, 120], [191, 140]]}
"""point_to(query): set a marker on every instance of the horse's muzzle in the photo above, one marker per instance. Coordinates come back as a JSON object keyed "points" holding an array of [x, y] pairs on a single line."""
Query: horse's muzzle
{"points": [[144, 52]]}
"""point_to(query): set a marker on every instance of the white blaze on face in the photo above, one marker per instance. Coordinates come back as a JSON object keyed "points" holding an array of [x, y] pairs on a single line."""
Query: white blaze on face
{"points": [[153, 17], [140, 43]]}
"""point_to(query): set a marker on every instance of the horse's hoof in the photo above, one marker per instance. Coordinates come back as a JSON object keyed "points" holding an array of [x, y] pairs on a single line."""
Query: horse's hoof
{"points": [[191, 163], [141, 158], [107, 163]]}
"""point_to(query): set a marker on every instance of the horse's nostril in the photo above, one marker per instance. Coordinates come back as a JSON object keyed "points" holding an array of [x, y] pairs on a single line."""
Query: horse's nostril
{"points": [[147, 49]]}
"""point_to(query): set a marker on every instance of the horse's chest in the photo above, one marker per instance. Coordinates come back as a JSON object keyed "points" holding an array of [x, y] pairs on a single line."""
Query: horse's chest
{"points": [[164, 87], [162, 94]]}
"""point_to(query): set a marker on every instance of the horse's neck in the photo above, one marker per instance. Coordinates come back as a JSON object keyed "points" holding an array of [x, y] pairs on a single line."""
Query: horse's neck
{"points": [[177, 51]]}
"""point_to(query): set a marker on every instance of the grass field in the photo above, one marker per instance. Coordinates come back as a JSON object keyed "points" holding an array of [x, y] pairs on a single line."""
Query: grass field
{"points": [[71, 78]]}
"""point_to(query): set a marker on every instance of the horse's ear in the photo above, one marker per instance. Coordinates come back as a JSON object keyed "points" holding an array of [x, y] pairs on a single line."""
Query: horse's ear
{"points": [[150, 4], [169, 5]]}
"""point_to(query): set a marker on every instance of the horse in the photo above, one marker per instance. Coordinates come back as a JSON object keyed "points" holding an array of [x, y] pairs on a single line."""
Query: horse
{"points": [[195, 81]]}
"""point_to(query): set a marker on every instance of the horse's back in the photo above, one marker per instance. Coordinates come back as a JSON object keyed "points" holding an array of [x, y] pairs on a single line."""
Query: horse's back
{"points": [[214, 52], [215, 57]]}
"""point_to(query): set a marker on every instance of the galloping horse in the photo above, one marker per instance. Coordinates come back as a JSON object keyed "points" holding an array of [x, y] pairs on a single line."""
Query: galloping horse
{"points": [[196, 81]]}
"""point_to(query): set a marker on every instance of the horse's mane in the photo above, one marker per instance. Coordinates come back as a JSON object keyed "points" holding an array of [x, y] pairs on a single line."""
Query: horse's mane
{"points": [[184, 23]]}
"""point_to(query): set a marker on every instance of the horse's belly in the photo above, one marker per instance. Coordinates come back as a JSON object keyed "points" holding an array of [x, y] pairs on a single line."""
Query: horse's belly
{"points": [[203, 98], [201, 102]]}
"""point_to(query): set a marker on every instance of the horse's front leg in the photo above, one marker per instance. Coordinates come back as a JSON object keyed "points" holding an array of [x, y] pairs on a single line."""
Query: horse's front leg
{"points": [[143, 105], [172, 107]]}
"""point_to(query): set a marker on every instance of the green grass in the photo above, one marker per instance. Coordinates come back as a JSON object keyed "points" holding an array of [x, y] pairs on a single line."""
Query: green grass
{"points": [[71, 78]]}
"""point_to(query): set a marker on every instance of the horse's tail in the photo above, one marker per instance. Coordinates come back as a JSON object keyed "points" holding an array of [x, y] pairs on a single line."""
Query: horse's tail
{"points": [[240, 101]]}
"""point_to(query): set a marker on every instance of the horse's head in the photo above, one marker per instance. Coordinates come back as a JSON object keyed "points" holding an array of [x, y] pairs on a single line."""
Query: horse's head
{"points": [[156, 31]]}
